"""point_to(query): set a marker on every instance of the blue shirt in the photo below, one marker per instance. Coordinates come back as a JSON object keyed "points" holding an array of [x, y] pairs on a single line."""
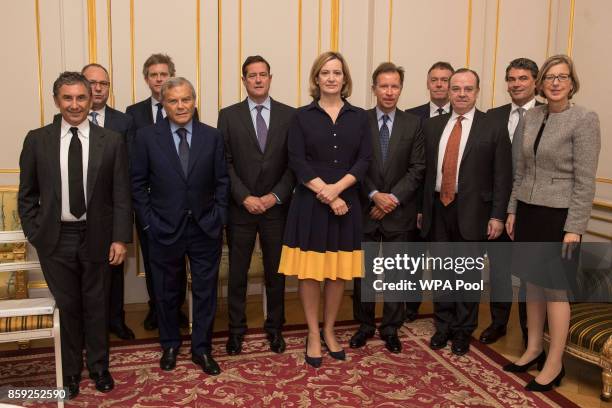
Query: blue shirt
{"points": [[174, 127], [265, 112], [391, 115]]}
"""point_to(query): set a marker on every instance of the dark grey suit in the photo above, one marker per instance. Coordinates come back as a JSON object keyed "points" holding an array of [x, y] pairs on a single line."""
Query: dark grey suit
{"points": [[257, 173]]}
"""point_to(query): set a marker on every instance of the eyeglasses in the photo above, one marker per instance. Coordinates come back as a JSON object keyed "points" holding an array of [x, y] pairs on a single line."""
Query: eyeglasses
{"points": [[561, 77], [103, 84]]}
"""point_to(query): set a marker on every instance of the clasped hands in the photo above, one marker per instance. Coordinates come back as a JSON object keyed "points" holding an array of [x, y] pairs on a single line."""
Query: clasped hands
{"points": [[259, 205], [384, 203], [329, 194]]}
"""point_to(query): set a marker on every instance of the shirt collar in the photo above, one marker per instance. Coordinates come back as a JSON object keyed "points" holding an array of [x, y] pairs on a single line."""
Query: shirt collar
{"points": [[315, 105], [154, 102], [468, 115], [526, 106], [188, 127], [100, 112], [379, 115], [434, 108], [83, 128], [253, 104]]}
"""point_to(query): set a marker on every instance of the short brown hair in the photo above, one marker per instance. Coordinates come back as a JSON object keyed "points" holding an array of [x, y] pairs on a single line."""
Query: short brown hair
{"points": [[158, 59], [318, 63], [556, 60], [441, 65], [252, 60], [386, 67], [463, 71]]}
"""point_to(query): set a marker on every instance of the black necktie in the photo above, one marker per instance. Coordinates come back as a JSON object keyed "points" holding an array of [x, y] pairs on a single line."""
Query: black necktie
{"points": [[183, 149], [159, 116], [76, 191], [440, 111]]}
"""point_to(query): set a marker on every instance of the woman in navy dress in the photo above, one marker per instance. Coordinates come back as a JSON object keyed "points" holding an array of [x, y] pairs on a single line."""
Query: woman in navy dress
{"points": [[329, 151]]}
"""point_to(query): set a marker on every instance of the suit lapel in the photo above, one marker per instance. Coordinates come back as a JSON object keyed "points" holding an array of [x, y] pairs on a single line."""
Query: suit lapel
{"points": [[96, 151], [375, 132], [109, 117], [273, 124], [197, 141], [166, 142], [473, 135], [148, 110], [245, 117], [53, 149], [396, 133], [438, 136]]}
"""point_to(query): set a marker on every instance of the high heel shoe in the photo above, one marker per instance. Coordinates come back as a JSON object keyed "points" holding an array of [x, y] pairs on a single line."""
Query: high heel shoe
{"points": [[312, 361], [515, 368], [338, 355], [533, 385]]}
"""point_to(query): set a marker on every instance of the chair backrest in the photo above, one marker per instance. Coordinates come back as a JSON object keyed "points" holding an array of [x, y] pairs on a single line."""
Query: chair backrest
{"points": [[11, 282]]}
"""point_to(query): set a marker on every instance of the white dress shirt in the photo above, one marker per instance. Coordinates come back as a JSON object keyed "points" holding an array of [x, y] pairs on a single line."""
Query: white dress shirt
{"points": [[101, 115], [513, 119], [466, 125], [154, 103], [433, 109], [65, 138]]}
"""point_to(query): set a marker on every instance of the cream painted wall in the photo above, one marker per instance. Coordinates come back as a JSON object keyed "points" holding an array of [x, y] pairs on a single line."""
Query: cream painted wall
{"points": [[482, 34]]}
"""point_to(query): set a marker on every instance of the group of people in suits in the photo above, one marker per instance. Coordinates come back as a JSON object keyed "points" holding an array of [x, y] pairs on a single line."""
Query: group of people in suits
{"points": [[312, 183]]}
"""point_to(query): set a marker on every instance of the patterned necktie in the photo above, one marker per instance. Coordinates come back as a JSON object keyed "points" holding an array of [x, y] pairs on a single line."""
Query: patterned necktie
{"points": [[440, 111], [262, 129], [517, 138], [94, 117], [159, 116], [76, 191], [449, 164], [384, 138], [183, 149]]}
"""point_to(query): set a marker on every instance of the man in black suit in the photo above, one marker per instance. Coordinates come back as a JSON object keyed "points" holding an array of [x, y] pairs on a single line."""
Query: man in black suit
{"points": [[468, 180], [75, 208], [438, 79], [180, 187], [103, 115], [389, 194], [521, 74], [255, 133], [156, 71]]}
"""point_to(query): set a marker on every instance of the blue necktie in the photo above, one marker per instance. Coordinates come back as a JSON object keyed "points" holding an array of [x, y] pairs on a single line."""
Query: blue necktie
{"points": [[384, 138], [262, 128], [159, 117], [183, 149], [94, 117]]}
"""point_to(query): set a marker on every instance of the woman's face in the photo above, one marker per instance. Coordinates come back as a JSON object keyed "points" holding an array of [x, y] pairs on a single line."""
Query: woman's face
{"points": [[557, 83], [331, 78]]}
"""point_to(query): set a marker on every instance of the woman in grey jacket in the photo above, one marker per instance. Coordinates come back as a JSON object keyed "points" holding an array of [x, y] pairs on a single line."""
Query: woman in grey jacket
{"points": [[551, 201]]}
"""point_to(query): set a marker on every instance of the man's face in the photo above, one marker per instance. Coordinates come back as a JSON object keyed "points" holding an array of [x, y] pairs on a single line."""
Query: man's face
{"points": [[156, 76], [437, 84], [463, 92], [257, 81], [388, 89], [100, 86], [521, 85], [73, 102], [179, 104]]}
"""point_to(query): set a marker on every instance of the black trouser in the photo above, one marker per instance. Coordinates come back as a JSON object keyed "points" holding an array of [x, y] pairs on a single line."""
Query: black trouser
{"points": [[81, 291], [393, 312], [412, 308], [241, 241], [450, 316], [143, 240], [117, 284]]}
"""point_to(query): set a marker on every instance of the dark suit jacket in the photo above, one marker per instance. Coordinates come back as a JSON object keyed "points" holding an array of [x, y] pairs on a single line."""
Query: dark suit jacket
{"points": [[142, 115], [164, 197], [109, 210], [251, 171], [501, 114], [422, 111], [484, 179], [401, 174]]}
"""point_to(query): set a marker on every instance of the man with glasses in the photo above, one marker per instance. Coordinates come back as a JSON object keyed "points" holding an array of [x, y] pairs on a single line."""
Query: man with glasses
{"points": [[103, 115]]}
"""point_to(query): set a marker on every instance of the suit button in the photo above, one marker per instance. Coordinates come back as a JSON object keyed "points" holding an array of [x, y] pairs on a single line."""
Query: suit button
{"points": [[335, 147], [335, 161], [334, 134]]}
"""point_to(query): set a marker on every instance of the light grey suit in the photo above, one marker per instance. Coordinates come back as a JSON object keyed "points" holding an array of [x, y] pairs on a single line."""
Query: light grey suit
{"points": [[562, 175]]}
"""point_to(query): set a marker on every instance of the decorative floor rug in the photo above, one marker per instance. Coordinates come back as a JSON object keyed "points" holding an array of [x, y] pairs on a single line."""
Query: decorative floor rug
{"points": [[370, 377]]}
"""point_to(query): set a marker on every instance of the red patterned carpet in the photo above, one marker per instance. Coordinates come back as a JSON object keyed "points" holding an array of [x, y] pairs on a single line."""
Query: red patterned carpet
{"points": [[371, 377]]}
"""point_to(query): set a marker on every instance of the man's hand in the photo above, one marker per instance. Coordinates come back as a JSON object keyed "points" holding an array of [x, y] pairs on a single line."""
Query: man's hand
{"points": [[328, 193], [268, 201], [494, 229], [510, 225], [420, 220], [339, 206], [117, 253], [376, 213], [385, 202], [254, 205], [570, 243]]}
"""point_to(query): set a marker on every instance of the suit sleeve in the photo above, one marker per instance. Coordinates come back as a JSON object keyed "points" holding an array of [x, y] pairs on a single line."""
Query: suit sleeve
{"points": [[222, 180], [407, 187], [122, 201], [519, 172], [238, 190], [139, 171], [364, 156], [502, 175], [28, 197], [297, 152], [284, 186]]}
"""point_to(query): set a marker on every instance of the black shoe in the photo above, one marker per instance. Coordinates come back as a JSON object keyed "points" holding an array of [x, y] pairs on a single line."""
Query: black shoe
{"points": [[359, 339], [150, 322], [410, 316], [461, 344], [533, 385], [104, 381], [123, 332], [491, 334], [515, 368], [207, 362], [234, 344], [71, 384], [438, 340], [277, 342], [183, 320], [312, 361], [338, 355], [167, 362], [392, 343]]}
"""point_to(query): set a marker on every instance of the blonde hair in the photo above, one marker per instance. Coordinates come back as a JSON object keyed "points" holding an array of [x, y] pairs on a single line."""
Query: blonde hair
{"points": [[318, 63], [556, 60]]}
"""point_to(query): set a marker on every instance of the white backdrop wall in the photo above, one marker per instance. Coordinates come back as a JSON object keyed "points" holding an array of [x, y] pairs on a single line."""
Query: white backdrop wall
{"points": [[208, 40]]}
